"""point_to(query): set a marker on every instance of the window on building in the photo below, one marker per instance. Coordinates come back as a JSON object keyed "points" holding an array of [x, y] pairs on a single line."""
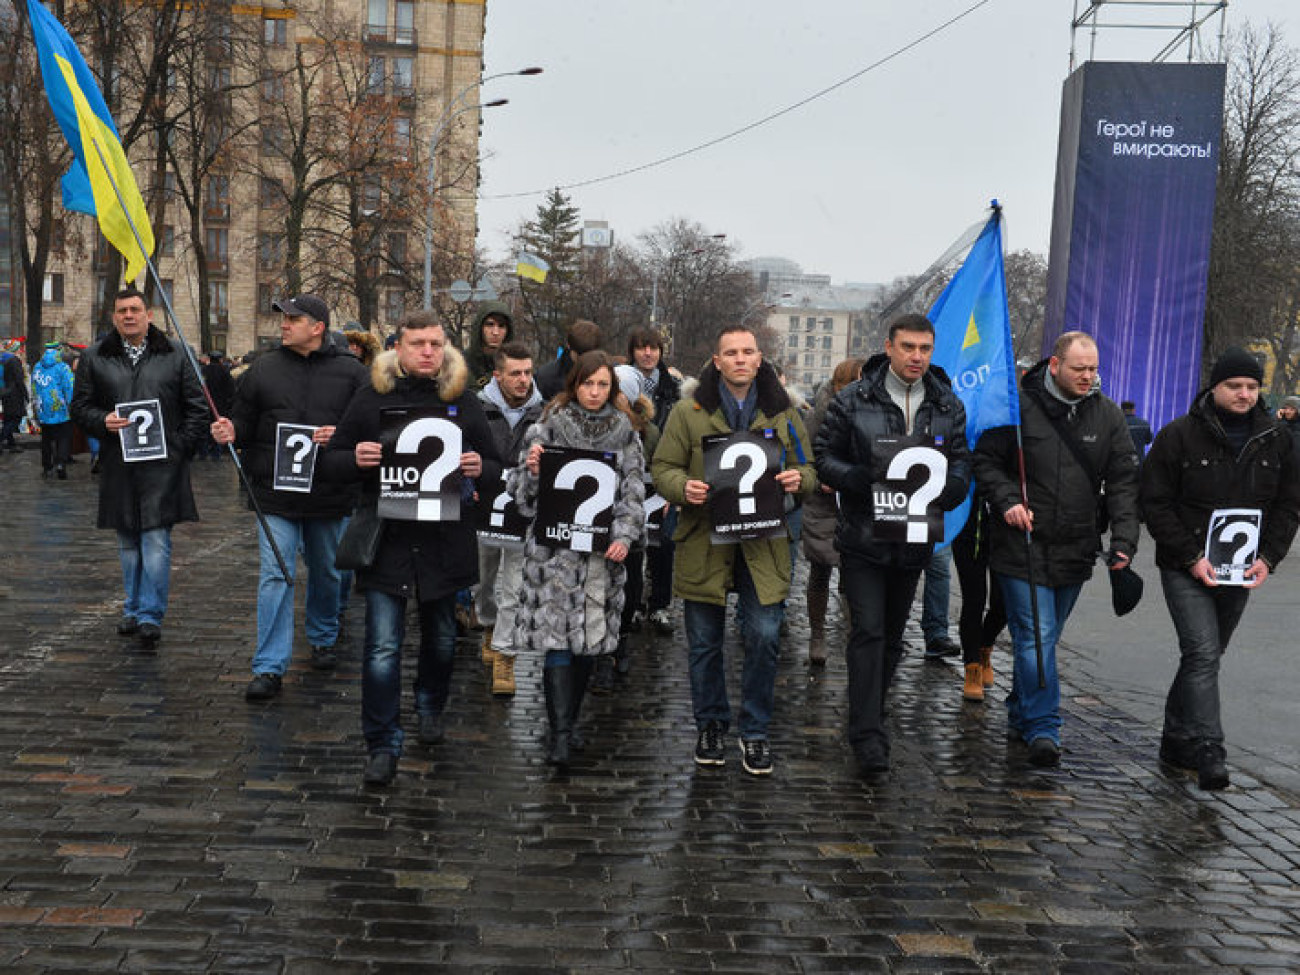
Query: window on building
{"points": [[402, 137], [169, 289], [377, 13], [58, 237], [216, 198], [265, 295], [397, 249], [270, 252], [810, 324], [270, 192], [52, 291], [826, 362], [403, 75], [272, 88], [810, 342], [275, 31], [216, 241], [167, 244], [793, 342], [794, 323], [826, 341], [394, 305], [808, 358], [372, 195], [170, 189], [376, 70], [404, 22], [275, 139], [219, 301], [828, 324]]}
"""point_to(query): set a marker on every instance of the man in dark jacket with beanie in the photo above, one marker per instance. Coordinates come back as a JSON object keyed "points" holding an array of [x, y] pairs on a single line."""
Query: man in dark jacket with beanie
{"points": [[899, 396], [1076, 445], [307, 382], [1225, 454], [141, 500]]}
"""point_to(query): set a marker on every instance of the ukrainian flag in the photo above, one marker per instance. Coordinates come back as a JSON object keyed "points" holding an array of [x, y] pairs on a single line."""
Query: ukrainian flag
{"points": [[531, 266], [79, 108], [972, 344]]}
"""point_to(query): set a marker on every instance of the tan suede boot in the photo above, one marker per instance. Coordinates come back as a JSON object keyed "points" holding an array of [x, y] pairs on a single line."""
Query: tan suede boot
{"points": [[503, 675], [486, 653], [986, 666], [973, 689]]}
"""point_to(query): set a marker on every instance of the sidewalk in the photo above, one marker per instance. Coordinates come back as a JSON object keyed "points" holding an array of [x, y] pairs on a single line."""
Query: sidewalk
{"points": [[152, 820]]}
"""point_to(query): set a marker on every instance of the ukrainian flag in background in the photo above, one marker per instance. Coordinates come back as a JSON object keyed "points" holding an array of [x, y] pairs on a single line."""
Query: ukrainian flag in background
{"points": [[528, 265], [80, 110], [972, 344]]}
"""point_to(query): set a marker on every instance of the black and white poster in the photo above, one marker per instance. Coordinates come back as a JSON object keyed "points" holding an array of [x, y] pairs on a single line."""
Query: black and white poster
{"points": [[145, 439], [295, 457], [500, 524], [915, 470], [575, 499], [1232, 543], [419, 470], [745, 499]]}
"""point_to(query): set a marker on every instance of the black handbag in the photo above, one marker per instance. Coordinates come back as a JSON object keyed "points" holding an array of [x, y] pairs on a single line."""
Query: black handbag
{"points": [[360, 542]]}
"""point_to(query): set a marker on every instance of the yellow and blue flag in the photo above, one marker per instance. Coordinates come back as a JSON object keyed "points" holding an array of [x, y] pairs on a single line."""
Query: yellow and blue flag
{"points": [[79, 108], [972, 344], [531, 266]]}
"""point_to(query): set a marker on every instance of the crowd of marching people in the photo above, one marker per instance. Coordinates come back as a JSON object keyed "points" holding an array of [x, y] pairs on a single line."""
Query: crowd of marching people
{"points": [[561, 506]]}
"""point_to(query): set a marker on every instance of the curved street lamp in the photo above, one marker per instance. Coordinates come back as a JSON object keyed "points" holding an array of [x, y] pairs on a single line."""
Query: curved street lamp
{"points": [[444, 120]]}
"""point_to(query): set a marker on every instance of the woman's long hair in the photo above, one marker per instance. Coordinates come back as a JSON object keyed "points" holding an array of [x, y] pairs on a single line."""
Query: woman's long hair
{"points": [[584, 367], [846, 372]]}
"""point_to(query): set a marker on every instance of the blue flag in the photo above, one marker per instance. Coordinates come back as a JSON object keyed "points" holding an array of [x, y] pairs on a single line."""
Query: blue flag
{"points": [[972, 344]]}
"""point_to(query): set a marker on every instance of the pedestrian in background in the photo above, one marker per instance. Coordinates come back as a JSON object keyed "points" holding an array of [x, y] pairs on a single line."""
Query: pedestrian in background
{"points": [[572, 602], [52, 398], [1138, 428], [13, 399], [1225, 453]]}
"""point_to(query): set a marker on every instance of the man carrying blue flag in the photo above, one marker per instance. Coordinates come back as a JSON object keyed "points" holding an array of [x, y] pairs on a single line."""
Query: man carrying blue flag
{"points": [[900, 403]]}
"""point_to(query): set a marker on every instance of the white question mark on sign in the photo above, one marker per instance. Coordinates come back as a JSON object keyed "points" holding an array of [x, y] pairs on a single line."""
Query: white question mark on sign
{"points": [[144, 419], [567, 478], [498, 518], [408, 442], [1240, 529], [936, 464], [303, 443], [755, 464]]}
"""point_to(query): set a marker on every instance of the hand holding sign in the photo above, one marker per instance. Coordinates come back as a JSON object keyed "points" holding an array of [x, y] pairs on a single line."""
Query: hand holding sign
{"points": [[142, 435], [1232, 546], [295, 457]]}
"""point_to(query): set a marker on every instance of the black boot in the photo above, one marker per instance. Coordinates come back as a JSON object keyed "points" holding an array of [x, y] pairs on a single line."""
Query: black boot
{"points": [[557, 683], [582, 667], [603, 682], [623, 656]]}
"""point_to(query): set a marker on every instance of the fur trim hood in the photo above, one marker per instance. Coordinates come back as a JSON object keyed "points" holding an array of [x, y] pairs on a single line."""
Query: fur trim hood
{"points": [[155, 340], [452, 377], [772, 397], [368, 342]]}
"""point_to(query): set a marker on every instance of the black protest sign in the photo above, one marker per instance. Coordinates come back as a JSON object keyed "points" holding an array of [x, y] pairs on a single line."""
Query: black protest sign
{"points": [[499, 523], [1232, 543], [419, 469], [295, 457], [575, 498], [915, 470], [146, 438], [745, 499]]}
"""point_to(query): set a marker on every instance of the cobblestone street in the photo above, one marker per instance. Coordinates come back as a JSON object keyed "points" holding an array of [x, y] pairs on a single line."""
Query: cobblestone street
{"points": [[152, 820]]}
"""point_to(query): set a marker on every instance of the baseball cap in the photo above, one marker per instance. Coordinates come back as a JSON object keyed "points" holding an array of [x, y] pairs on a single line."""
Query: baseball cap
{"points": [[309, 305]]}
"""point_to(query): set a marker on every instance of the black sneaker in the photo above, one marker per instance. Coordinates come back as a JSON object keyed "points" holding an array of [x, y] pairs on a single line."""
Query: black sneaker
{"points": [[1211, 768], [871, 761], [262, 687], [1044, 753], [128, 626], [324, 658], [941, 649], [429, 731], [381, 769], [756, 756], [1176, 756], [709, 746], [150, 634]]}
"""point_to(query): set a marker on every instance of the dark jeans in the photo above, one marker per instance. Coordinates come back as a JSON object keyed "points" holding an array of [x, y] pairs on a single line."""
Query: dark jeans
{"points": [[880, 599], [8, 427], [56, 444], [760, 635], [977, 628], [1204, 618], [381, 670], [660, 559]]}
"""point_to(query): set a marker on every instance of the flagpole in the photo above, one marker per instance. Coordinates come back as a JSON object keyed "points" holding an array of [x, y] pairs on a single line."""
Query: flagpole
{"points": [[194, 364]]}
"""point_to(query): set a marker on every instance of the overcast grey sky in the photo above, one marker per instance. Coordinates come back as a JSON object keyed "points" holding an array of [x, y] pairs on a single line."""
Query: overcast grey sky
{"points": [[869, 182]]}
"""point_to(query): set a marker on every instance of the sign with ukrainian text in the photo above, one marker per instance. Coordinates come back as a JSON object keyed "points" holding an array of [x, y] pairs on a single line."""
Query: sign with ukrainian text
{"points": [[575, 498], [914, 472], [419, 469], [745, 499]]}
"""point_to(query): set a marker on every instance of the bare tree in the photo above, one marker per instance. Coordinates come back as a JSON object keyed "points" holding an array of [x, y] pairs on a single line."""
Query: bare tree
{"points": [[1026, 275], [1255, 255]]}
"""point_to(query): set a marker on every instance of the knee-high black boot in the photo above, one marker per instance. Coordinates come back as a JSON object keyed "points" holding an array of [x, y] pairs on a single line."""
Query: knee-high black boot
{"points": [[582, 668], [557, 683]]}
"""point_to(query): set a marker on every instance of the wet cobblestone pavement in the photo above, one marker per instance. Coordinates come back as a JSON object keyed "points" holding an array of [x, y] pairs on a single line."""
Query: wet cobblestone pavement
{"points": [[152, 820]]}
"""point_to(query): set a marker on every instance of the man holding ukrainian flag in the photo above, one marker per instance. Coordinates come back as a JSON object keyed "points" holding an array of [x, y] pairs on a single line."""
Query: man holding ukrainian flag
{"points": [[100, 181]]}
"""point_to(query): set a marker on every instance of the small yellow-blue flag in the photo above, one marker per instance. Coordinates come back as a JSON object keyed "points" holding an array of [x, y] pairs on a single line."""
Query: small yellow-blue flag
{"points": [[82, 114], [531, 266]]}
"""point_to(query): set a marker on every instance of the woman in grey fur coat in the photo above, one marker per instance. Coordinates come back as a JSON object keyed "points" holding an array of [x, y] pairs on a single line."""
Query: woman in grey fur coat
{"points": [[572, 602]]}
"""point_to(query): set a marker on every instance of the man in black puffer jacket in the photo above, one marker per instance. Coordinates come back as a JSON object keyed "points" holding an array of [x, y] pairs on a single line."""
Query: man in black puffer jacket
{"points": [[1226, 453], [141, 500], [899, 395], [308, 381], [1059, 398]]}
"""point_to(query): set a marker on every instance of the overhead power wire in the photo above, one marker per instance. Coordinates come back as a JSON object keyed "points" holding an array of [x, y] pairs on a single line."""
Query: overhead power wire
{"points": [[663, 160]]}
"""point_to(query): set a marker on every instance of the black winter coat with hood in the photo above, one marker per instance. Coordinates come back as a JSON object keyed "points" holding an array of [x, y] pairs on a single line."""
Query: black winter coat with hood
{"points": [[416, 559], [150, 494], [481, 363], [1066, 539], [847, 461], [282, 386], [1192, 469]]}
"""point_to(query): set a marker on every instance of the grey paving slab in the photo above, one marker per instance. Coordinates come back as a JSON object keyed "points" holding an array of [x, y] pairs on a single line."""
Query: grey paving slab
{"points": [[152, 820]]}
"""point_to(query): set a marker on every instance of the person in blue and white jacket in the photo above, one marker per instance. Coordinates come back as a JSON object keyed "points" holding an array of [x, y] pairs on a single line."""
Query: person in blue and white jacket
{"points": [[51, 395]]}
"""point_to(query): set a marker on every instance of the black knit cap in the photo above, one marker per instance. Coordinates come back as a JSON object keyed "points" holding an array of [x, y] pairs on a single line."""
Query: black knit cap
{"points": [[1236, 362]]}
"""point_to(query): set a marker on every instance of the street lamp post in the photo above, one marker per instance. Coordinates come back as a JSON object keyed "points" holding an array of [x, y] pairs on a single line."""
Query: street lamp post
{"points": [[444, 120]]}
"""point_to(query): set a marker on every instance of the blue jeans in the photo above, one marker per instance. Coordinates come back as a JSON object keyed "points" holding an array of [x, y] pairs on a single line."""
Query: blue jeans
{"points": [[319, 540], [1204, 617], [761, 638], [1034, 712], [934, 599], [381, 669], [146, 573]]}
